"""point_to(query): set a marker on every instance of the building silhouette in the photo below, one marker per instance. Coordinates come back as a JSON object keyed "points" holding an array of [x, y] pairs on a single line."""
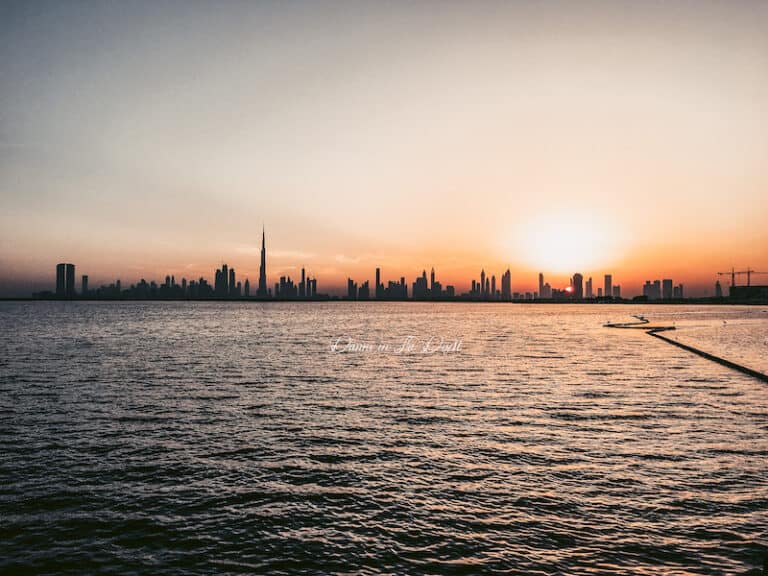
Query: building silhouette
{"points": [[652, 290], [420, 290], [578, 286], [608, 286], [262, 291], [61, 282], [379, 285], [65, 280], [506, 286], [364, 292], [667, 289]]}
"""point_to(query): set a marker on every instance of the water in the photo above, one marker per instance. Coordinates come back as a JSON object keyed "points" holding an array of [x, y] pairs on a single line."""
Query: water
{"points": [[182, 438]]}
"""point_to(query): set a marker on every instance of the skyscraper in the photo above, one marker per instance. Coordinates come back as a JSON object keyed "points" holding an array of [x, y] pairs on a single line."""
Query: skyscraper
{"points": [[652, 290], [364, 292], [61, 280], [379, 285], [667, 290], [608, 289], [420, 287], [578, 287], [506, 286], [541, 285], [69, 287], [482, 284], [262, 290], [84, 285], [588, 287]]}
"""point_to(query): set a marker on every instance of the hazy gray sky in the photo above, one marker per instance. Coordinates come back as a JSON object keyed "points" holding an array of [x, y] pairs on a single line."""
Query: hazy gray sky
{"points": [[139, 139]]}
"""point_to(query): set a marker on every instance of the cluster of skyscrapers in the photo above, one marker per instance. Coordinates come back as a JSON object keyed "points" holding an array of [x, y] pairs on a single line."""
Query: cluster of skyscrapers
{"points": [[579, 289], [663, 290], [286, 289], [485, 288], [429, 288], [225, 286]]}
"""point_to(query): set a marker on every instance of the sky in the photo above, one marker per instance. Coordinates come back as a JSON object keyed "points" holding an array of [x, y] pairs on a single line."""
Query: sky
{"points": [[145, 139]]}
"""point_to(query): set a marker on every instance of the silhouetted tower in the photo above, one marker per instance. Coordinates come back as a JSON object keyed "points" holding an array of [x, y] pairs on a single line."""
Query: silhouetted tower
{"points": [[303, 285], [493, 287], [506, 286], [224, 279], [232, 283], [262, 291], [578, 286], [667, 288], [84, 285], [718, 290], [247, 288], [61, 281], [379, 285], [608, 286], [432, 280], [482, 283], [69, 287], [541, 285]]}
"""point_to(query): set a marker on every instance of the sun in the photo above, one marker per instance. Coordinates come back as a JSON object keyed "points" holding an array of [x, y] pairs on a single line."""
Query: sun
{"points": [[567, 242]]}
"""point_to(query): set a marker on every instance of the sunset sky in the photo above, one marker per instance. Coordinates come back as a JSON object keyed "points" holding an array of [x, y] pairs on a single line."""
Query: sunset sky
{"points": [[145, 139]]}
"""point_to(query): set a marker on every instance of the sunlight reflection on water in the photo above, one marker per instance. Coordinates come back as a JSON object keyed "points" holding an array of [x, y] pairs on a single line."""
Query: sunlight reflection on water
{"points": [[230, 437]]}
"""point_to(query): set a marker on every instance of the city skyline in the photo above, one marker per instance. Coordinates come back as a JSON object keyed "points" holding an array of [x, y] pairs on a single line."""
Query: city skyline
{"points": [[228, 285], [335, 280]]}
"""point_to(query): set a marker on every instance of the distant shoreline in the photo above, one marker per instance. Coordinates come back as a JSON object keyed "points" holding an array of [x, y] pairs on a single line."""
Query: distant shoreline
{"points": [[690, 301]]}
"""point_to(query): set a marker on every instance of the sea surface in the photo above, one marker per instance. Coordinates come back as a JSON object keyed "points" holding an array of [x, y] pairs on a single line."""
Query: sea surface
{"points": [[379, 438]]}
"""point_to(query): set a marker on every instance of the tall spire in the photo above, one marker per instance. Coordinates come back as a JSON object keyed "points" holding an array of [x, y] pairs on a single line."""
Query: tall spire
{"points": [[262, 291]]}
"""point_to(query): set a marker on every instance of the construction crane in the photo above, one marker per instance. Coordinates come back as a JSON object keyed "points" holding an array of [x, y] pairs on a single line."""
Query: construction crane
{"points": [[733, 273]]}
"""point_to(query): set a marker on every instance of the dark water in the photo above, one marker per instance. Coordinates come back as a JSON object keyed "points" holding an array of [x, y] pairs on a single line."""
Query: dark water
{"points": [[181, 438]]}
